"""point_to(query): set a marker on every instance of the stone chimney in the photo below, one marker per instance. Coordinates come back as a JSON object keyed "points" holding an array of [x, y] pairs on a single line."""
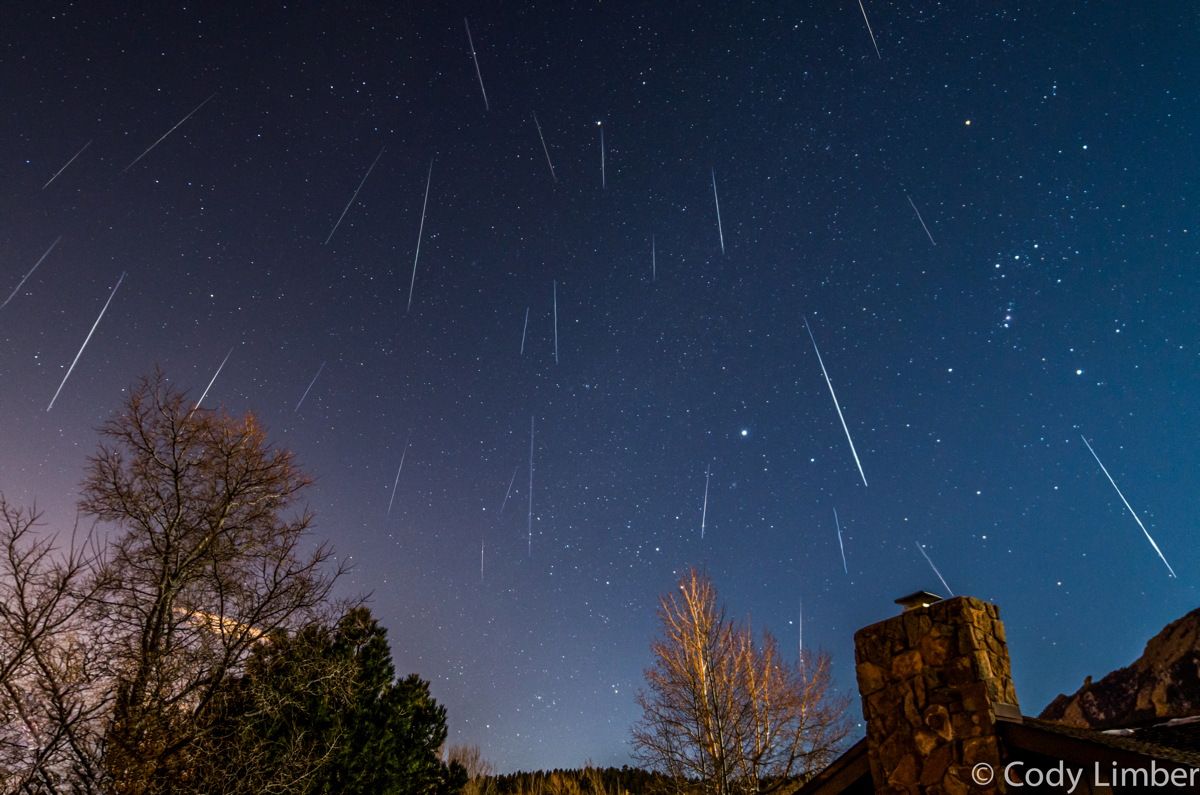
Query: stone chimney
{"points": [[933, 680]]}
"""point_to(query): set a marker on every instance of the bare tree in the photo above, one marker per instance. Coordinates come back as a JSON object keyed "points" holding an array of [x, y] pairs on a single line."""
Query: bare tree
{"points": [[793, 723], [480, 772], [472, 760], [732, 714], [204, 560], [52, 702]]}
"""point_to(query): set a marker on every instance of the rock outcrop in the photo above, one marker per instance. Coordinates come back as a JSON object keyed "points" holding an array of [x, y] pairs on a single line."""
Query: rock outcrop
{"points": [[1163, 683]]}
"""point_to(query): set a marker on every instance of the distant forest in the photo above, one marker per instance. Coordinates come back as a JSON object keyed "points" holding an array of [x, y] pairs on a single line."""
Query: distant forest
{"points": [[586, 781], [590, 781]]}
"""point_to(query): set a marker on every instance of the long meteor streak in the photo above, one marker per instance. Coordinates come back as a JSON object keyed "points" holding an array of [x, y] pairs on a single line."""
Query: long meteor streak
{"points": [[530, 519], [524, 331], [800, 633], [555, 288], [86, 341], [841, 546], [603, 174], [507, 492], [164, 135], [354, 196], [475, 58], [544, 147], [836, 405], [420, 232], [919, 218], [212, 381], [704, 506], [1132, 513], [717, 202], [396, 483], [64, 168], [17, 289], [863, 8], [310, 386], [921, 549]]}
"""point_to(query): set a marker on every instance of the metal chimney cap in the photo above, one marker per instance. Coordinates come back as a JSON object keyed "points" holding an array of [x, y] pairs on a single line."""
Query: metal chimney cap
{"points": [[918, 599]]}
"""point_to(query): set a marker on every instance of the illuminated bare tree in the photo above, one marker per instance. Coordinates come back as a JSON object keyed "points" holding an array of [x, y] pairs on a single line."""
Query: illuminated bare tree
{"points": [[792, 723], [480, 772], [52, 703], [208, 553], [732, 714]]}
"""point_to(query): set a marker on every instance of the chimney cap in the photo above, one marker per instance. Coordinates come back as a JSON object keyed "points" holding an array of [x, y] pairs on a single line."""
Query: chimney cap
{"points": [[918, 599]]}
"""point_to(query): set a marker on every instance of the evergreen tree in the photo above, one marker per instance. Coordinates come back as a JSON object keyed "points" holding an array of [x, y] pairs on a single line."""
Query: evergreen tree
{"points": [[392, 729], [322, 711]]}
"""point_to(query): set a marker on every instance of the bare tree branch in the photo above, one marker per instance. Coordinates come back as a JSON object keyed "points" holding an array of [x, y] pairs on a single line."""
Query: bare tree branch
{"points": [[52, 701], [207, 557], [730, 713]]}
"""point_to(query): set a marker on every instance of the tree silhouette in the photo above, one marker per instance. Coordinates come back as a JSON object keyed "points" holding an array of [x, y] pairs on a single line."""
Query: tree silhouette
{"points": [[205, 558], [321, 711]]}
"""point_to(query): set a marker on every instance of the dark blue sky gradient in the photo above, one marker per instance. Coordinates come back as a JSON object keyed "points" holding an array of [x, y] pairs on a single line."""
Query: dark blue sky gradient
{"points": [[1050, 148]]}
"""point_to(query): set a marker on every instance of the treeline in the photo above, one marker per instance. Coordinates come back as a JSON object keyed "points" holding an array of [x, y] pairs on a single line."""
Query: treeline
{"points": [[585, 781], [606, 781]]}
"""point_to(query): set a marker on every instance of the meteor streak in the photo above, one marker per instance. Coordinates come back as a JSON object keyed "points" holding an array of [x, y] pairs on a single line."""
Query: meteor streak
{"points": [[544, 147], [64, 168], [204, 394], [717, 202], [873, 43], [524, 331], [86, 341], [841, 546], [310, 386], [530, 519], [398, 471], [919, 218], [160, 140], [833, 395], [17, 289], [475, 58], [1132, 513], [921, 549], [800, 633], [353, 196], [603, 176], [421, 231], [509, 490]]}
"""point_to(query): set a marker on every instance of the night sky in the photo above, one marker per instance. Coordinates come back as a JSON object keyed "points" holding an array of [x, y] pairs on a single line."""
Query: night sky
{"points": [[1050, 149]]}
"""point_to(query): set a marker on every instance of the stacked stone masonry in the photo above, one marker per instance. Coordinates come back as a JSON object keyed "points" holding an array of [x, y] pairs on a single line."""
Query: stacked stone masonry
{"points": [[930, 679]]}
